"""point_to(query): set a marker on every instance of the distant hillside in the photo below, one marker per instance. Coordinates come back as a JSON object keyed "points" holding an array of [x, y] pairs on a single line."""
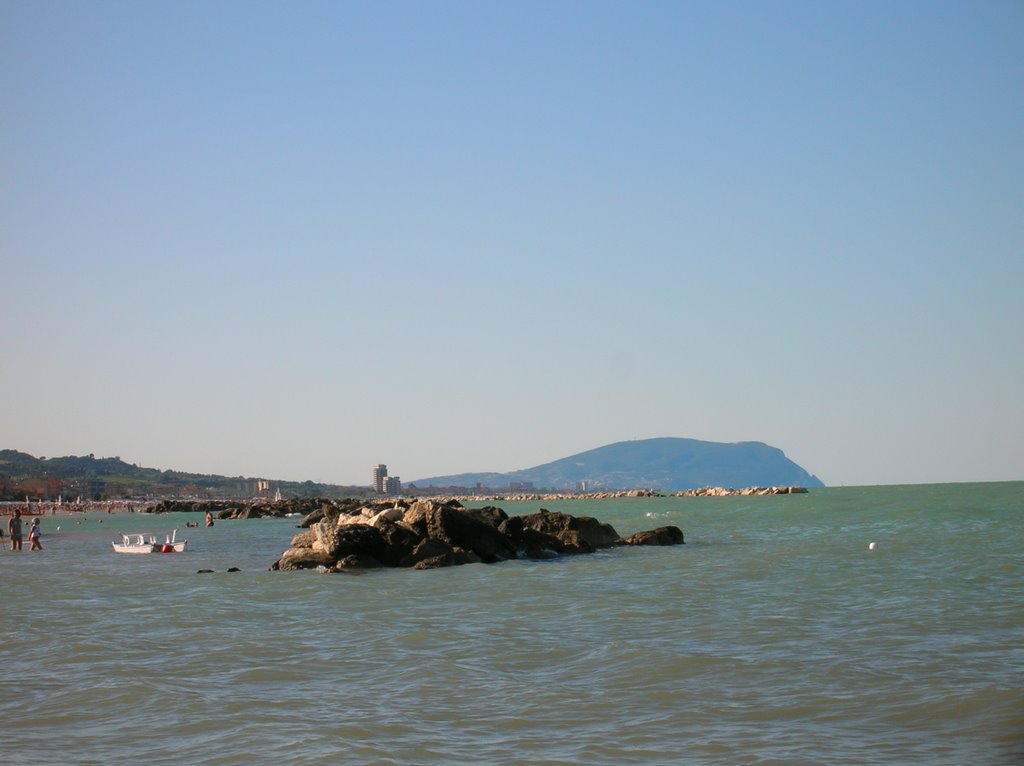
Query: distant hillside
{"points": [[667, 464], [95, 478]]}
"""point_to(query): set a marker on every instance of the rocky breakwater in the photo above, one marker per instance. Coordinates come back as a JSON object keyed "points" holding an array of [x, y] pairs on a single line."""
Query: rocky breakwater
{"points": [[630, 493], [541, 496], [729, 492], [428, 534], [251, 509]]}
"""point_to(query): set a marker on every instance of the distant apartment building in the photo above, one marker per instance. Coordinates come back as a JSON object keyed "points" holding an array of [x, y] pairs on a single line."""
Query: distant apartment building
{"points": [[384, 484], [380, 477]]}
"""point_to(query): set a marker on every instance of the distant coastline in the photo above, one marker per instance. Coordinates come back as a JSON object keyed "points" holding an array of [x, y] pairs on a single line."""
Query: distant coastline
{"points": [[668, 466]]}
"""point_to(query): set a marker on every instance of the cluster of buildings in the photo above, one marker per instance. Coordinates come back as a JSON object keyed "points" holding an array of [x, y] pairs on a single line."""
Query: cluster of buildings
{"points": [[384, 484]]}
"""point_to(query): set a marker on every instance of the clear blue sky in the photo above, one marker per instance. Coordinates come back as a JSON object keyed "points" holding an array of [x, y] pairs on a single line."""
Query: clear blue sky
{"points": [[294, 240]]}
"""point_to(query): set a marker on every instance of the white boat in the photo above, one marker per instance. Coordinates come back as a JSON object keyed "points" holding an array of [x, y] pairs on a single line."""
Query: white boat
{"points": [[149, 544]]}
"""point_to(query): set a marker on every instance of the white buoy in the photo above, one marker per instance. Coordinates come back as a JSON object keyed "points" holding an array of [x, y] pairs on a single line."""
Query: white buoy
{"points": [[872, 546]]}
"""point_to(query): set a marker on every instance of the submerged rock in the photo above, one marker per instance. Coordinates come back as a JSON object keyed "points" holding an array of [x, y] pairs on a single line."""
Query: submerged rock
{"points": [[659, 536]]}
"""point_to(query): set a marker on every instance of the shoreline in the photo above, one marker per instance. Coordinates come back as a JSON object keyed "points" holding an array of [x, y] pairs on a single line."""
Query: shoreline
{"points": [[7, 507]]}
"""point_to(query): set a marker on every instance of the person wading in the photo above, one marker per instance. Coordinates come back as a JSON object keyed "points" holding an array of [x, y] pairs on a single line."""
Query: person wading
{"points": [[33, 536], [14, 530]]}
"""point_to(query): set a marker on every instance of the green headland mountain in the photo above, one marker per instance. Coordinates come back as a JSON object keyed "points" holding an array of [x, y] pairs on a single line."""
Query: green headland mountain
{"points": [[664, 464]]}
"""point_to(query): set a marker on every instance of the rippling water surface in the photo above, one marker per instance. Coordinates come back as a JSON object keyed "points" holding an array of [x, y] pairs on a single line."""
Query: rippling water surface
{"points": [[774, 636]]}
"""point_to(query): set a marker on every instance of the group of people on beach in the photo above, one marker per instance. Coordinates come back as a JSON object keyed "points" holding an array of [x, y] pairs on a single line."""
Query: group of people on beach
{"points": [[14, 530]]}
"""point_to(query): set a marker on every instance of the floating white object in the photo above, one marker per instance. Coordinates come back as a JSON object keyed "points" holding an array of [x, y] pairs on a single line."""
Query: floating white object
{"points": [[872, 546]]}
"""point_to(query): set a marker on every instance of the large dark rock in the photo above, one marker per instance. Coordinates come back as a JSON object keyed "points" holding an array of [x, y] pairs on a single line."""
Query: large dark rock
{"points": [[436, 562], [489, 514], [350, 539], [460, 529], [357, 561], [457, 557], [565, 533], [531, 543], [400, 540], [428, 549], [303, 558], [417, 513]]}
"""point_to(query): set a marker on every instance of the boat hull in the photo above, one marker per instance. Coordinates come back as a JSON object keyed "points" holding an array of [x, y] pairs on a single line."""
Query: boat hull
{"points": [[143, 544]]}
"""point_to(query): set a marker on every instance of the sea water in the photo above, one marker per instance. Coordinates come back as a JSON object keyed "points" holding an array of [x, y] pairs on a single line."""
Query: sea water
{"points": [[774, 636]]}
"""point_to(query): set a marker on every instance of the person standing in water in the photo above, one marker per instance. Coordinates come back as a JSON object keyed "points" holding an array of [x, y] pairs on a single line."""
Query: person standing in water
{"points": [[14, 530], [33, 535]]}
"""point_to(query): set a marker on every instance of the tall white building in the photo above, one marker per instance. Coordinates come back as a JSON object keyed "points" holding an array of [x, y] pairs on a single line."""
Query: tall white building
{"points": [[380, 475]]}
